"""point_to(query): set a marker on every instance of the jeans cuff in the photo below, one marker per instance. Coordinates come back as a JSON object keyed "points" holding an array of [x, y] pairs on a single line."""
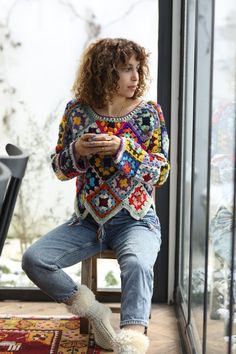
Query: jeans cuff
{"points": [[133, 322], [64, 299]]}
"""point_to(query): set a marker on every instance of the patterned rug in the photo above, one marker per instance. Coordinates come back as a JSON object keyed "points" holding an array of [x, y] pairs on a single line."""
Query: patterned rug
{"points": [[40, 335]]}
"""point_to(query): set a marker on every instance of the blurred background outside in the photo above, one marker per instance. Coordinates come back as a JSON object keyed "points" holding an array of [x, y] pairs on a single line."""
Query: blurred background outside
{"points": [[40, 46]]}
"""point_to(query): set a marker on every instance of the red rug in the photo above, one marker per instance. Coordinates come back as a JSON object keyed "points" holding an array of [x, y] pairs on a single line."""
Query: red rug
{"points": [[51, 335]]}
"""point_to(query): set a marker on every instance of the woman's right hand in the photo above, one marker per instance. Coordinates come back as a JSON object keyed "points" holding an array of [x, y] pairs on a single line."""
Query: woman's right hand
{"points": [[90, 144], [82, 148]]}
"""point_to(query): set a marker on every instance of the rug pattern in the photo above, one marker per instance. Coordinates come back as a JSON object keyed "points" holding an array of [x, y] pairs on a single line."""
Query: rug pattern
{"points": [[21, 335]]}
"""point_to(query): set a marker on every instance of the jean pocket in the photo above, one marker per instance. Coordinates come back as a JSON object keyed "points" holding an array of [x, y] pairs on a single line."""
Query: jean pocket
{"points": [[152, 220]]}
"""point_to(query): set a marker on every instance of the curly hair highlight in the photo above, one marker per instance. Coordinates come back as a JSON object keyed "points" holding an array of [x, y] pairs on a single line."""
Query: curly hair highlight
{"points": [[97, 77]]}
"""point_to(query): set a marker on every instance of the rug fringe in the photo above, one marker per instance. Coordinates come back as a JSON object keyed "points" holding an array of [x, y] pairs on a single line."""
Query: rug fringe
{"points": [[48, 317]]}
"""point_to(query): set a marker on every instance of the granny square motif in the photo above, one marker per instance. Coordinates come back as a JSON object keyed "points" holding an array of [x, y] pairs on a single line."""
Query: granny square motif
{"points": [[106, 184], [103, 165], [122, 185], [104, 201]]}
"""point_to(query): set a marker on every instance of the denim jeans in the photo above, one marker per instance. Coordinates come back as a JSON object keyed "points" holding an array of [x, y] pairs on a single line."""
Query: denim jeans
{"points": [[136, 243]]}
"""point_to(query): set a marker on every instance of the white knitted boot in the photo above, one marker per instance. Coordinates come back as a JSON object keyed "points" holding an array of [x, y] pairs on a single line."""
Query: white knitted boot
{"points": [[85, 305], [129, 341]]}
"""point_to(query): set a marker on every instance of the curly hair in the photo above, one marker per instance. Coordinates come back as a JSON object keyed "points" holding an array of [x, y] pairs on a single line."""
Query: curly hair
{"points": [[97, 77]]}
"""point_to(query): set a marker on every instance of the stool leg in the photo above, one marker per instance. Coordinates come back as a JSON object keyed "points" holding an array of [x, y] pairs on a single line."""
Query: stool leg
{"points": [[84, 325], [86, 273], [86, 279]]}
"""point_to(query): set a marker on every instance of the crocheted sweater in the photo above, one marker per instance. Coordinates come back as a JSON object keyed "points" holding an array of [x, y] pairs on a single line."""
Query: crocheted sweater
{"points": [[104, 184]]}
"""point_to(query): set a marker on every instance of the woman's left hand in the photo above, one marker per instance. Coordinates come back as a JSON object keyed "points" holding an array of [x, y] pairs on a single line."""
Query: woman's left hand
{"points": [[105, 144]]}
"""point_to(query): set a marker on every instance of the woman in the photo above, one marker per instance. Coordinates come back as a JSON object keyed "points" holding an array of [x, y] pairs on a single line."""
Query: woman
{"points": [[115, 144]]}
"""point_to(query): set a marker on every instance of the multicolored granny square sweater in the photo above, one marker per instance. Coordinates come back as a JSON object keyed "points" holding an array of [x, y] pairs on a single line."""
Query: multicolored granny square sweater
{"points": [[104, 184]]}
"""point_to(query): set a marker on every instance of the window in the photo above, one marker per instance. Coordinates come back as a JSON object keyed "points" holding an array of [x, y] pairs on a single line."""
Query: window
{"points": [[36, 77], [206, 287]]}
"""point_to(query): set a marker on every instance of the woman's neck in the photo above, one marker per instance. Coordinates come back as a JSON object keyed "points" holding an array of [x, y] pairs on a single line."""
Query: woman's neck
{"points": [[119, 106]]}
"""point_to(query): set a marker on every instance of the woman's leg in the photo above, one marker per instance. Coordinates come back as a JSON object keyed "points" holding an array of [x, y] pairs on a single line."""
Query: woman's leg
{"points": [[137, 243], [64, 246]]}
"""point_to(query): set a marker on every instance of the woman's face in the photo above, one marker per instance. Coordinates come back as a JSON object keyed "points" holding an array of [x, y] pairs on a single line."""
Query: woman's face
{"points": [[129, 78]]}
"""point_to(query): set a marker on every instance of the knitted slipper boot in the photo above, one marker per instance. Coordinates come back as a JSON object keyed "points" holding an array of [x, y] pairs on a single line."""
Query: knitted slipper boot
{"points": [[85, 305], [129, 341]]}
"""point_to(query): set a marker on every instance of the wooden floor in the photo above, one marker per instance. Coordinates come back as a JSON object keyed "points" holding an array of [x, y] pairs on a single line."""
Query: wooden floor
{"points": [[162, 331]]}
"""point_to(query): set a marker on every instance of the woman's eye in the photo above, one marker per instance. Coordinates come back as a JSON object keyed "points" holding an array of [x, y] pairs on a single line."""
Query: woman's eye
{"points": [[128, 69]]}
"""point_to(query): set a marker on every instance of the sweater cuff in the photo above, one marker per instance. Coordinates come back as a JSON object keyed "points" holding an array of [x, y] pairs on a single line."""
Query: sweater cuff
{"points": [[118, 156], [79, 165]]}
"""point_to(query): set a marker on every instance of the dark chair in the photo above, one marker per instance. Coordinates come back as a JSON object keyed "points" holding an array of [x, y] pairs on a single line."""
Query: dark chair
{"points": [[5, 175], [16, 162]]}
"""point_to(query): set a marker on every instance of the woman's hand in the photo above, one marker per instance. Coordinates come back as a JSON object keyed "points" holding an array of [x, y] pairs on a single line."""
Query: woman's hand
{"points": [[90, 144]]}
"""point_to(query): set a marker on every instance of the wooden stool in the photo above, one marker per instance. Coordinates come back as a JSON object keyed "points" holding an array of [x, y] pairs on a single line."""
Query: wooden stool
{"points": [[89, 278]]}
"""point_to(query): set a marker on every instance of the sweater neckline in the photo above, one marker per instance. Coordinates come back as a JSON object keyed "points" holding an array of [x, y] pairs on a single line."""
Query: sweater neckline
{"points": [[125, 118]]}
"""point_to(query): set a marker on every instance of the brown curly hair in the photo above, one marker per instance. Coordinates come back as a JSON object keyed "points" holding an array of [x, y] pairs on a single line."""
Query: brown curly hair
{"points": [[97, 77]]}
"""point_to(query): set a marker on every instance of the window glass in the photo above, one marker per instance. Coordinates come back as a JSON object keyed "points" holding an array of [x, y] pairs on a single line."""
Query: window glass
{"points": [[38, 62], [207, 188], [222, 176], [201, 144]]}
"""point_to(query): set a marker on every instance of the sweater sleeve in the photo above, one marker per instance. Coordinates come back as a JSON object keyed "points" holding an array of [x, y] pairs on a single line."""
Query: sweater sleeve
{"points": [[64, 163], [149, 164]]}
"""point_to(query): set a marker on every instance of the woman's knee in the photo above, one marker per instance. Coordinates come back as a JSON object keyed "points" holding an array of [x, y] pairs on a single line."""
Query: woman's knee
{"points": [[29, 260], [26, 260], [137, 281], [133, 263]]}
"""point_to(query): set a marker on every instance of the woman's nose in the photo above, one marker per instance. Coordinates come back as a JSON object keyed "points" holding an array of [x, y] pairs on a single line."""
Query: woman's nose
{"points": [[135, 75]]}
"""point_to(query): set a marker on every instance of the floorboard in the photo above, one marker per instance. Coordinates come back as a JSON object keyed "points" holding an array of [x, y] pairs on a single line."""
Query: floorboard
{"points": [[162, 331]]}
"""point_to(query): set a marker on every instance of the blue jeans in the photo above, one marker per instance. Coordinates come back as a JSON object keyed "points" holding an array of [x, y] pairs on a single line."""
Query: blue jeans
{"points": [[136, 243]]}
